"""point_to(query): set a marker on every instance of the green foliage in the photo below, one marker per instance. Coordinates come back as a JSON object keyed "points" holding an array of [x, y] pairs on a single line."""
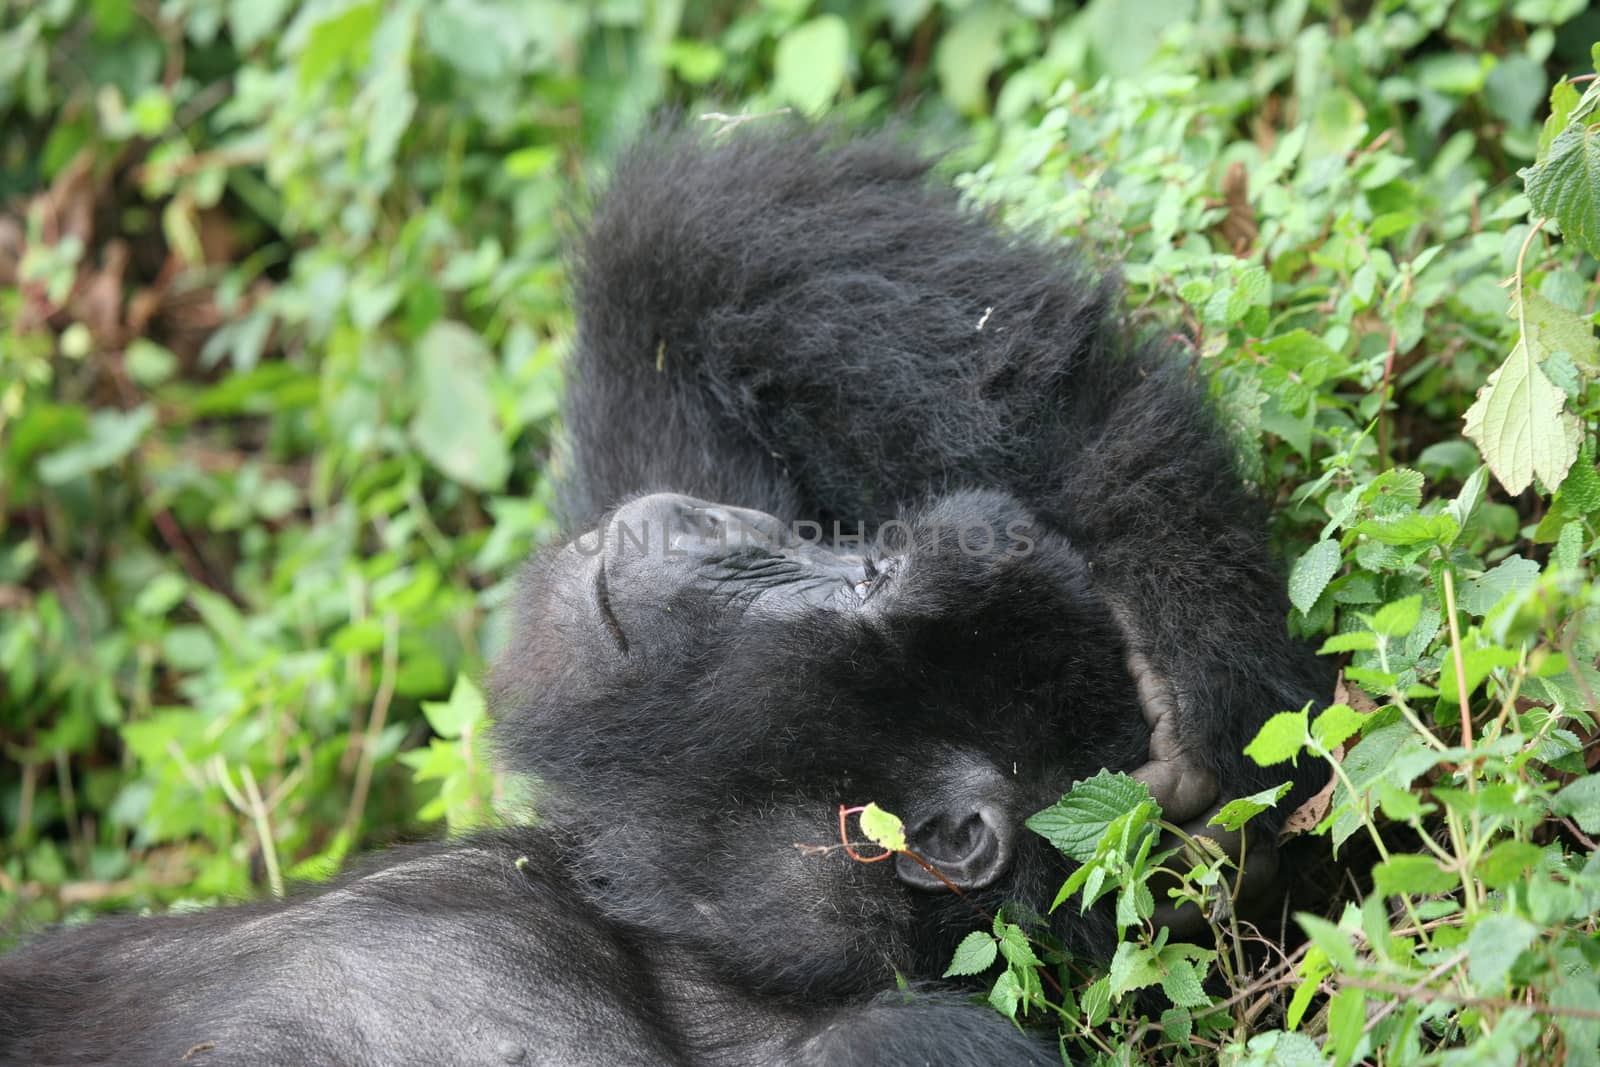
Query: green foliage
{"points": [[281, 315]]}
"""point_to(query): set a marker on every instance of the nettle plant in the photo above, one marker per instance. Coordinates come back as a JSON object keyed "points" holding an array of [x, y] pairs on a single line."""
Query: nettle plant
{"points": [[1408, 351]]}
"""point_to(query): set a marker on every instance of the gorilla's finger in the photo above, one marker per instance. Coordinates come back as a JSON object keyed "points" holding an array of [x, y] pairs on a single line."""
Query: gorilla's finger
{"points": [[1179, 784]]}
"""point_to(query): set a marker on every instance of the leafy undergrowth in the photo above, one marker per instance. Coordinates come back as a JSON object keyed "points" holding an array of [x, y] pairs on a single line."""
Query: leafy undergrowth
{"points": [[256, 258]]}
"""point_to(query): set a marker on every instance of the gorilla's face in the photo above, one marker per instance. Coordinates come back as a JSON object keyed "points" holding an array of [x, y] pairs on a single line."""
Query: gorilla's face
{"points": [[706, 686]]}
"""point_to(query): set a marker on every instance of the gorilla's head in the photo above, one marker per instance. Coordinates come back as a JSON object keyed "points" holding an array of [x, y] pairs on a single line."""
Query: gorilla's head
{"points": [[700, 687]]}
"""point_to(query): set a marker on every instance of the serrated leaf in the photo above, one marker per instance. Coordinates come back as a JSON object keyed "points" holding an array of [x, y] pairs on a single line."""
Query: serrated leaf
{"points": [[1182, 985], [1279, 1048], [811, 62], [1312, 573], [1563, 102], [1580, 492], [883, 829], [1015, 948], [1565, 185], [1006, 994], [1506, 863], [1410, 530], [1493, 946], [1235, 813], [976, 954], [1519, 421], [1581, 802], [1076, 822], [1280, 739], [1133, 967], [456, 426], [1335, 725], [1096, 1002]]}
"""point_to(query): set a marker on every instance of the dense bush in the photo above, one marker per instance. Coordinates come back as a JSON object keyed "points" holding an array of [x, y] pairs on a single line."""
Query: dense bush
{"points": [[283, 310]]}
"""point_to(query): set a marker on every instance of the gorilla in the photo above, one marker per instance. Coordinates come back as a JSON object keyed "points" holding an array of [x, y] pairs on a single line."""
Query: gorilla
{"points": [[867, 500]]}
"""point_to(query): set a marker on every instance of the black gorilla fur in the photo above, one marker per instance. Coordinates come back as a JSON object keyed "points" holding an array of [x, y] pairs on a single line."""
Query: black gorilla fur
{"points": [[818, 332]]}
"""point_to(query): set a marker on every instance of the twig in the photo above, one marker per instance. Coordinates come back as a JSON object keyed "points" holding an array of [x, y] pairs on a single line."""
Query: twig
{"points": [[380, 712]]}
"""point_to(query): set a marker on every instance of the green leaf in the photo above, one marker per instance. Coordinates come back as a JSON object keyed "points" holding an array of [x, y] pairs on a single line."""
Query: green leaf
{"points": [[811, 63], [1235, 813], [464, 710], [883, 829], [1560, 330], [1511, 575], [1519, 421], [1006, 994], [1278, 1048], [1565, 185], [1133, 967], [1335, 725], [968, 54], [1347, 1020], [1506, 863], [1411, 874], [1182, 985], [1397, 619], [976, 954], [1411, 530], [1015, 948], [1312, 573], [1280, 738], [1076, 822], [1493, 946], [1580, 801], [112, 435], [456, 425], [340, 42], [1354, 641]]}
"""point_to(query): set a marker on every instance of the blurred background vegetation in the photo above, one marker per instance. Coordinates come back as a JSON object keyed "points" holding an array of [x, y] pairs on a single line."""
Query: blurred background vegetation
{"points": [[282, 312]]}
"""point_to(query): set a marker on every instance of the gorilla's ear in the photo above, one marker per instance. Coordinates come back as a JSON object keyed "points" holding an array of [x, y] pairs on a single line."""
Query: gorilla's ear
{"points": [[971, 845]]}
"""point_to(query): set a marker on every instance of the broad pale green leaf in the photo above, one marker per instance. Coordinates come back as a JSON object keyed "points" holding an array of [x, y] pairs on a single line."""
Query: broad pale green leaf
{"points": [[883, 829], [1015, 948], [456, 426], [811, 63], [1493, 946], [1565, 185], [1563, 101], [1506, 863], [1519, 423], [1076, 822], [1280, 739], [112, 435], [1312, 573], [976, 954], [1513, 573]]}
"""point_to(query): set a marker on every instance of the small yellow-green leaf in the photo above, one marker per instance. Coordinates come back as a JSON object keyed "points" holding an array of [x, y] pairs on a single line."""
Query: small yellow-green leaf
{"points": [[883, 829]]}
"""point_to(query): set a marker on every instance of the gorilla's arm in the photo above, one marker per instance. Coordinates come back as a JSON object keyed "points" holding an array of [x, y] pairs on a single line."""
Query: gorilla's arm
{"points": [[474, 953]]}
